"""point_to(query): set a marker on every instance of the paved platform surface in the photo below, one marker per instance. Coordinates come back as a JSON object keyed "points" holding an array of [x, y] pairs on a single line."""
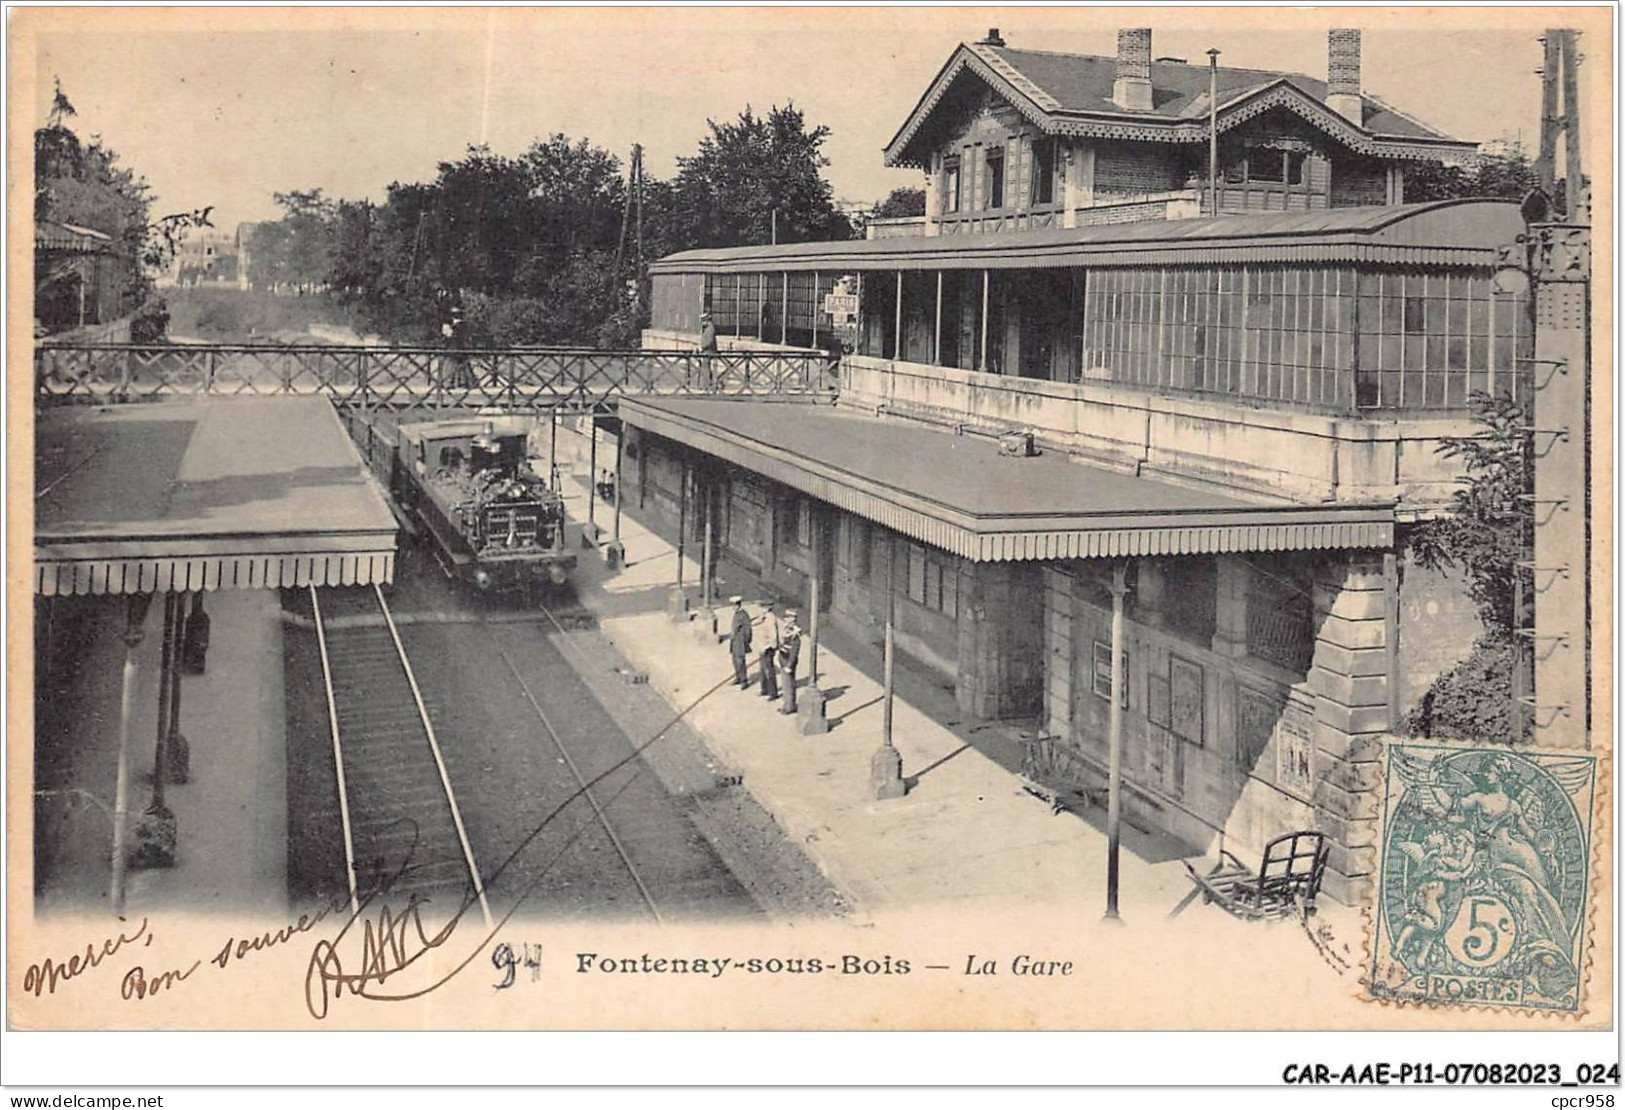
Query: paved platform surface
{"points": [[231, 818], [966, 833]]}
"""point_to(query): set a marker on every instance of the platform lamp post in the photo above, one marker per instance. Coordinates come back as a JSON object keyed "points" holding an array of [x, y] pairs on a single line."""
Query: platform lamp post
{"points": [[886, 768], [135, 616], [705, 493], [1114, 764]]}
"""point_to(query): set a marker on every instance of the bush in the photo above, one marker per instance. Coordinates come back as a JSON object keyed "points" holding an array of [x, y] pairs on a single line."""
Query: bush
{"points": [[151, 322], [1473, 700]]}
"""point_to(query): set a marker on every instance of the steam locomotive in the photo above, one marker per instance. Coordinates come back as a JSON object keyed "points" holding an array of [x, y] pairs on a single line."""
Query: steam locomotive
{"points": [[488, 518]]}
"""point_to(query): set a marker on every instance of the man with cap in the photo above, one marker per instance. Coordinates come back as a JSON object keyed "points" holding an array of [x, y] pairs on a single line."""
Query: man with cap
{"points": [[770, 655], [739, 642], [789, 656]]}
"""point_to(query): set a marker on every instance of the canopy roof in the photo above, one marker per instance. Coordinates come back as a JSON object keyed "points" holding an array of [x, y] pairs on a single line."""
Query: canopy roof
{"points": [[1440, 233], [960, 494], [245, 492], [1071, 94]]}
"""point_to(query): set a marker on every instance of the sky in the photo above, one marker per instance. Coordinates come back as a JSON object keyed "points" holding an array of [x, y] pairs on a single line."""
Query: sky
{"points": [[226, 108]]}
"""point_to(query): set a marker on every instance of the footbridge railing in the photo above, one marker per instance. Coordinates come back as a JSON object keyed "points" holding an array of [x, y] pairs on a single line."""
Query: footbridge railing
{"points": [[518, 379]]}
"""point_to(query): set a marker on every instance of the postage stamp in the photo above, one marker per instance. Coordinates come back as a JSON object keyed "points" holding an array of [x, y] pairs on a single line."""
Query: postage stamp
{"points": [[1483, 877]]}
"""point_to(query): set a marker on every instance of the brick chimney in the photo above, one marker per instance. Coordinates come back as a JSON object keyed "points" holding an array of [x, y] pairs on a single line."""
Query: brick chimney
{"points": [[1132, 89], [993, 38], [1343, 75]]}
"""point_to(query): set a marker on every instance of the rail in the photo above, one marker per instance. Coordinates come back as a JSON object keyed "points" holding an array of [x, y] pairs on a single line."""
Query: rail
{"points": [[517, 379], [439, 761], [338, 752]]}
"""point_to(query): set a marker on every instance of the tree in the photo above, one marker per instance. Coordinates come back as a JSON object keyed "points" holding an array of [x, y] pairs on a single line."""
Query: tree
{"points": [[1508, 175], [1485, 534], [905, 200], [84, 185], [755, 175], [1484, 531]]}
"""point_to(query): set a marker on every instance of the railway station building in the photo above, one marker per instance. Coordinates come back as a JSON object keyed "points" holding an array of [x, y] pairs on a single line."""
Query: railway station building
{"points": [[1091, 377]]}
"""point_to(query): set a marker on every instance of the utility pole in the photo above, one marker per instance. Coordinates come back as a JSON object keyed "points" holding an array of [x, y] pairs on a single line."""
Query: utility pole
{"points": [[1556, 258]]}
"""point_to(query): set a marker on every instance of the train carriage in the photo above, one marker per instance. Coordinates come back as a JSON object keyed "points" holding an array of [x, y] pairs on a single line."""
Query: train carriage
{"points": [[468, 487]]}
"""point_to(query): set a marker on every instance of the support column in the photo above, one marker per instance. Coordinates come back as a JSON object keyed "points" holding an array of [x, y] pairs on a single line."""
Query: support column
{"points": [[1114, 739], [982, 361], [886, 768], [615, 553], [589, 537], [135, 616], [1350, 678], [810, 706], [707, 623], [553, 450], [815, 310], [1230, 607], [784, 315], [936, 334], [677, 604], [897, 327], [155, 830]]}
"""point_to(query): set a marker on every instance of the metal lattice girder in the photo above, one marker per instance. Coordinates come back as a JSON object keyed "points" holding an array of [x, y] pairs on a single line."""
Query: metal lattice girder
{"points": [[519, 379]]}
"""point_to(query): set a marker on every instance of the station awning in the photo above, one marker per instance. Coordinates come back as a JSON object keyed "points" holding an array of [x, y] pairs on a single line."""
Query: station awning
{"points": [[958, 493], [220, 494]]}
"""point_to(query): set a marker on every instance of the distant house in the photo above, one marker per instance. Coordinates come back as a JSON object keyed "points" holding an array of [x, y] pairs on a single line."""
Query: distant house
{"points": [[1015, 139], [207, 258]]}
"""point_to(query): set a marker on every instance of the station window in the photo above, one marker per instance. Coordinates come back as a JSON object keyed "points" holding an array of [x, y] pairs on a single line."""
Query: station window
{"points": [[995, 178], [933, 580], [950, 185], [1044, 171]]}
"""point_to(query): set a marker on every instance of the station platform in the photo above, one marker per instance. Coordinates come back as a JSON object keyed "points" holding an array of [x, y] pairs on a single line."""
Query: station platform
{"points": [[966, 834], [231, 818]]}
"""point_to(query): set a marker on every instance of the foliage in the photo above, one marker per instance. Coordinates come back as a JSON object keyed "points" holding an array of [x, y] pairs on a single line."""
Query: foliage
{"points": [[84, 185], [151, 322], [905, 200], [1484, 532], [1473, 700], [727, 193], [297, 251], [543, 248], [1509, 176]]}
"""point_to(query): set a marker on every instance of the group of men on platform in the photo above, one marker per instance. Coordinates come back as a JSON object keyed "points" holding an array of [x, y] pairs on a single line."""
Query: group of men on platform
{"points": [[780, 651]]}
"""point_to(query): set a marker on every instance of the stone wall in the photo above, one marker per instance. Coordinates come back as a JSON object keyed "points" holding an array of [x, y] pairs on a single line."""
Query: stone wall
{"points": [[1300, 455]]}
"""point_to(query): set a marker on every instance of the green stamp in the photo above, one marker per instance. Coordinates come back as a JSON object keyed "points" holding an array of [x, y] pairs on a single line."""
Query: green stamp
{"points": [[1483, 878]]}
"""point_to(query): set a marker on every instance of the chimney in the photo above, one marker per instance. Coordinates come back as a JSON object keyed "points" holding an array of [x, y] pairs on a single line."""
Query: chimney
{"points": [[1132, 89], [992, 39], [1343, 75]]}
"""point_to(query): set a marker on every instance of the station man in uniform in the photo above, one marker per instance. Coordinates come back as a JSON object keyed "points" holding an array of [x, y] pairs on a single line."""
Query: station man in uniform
{"points": [[739, 642]]}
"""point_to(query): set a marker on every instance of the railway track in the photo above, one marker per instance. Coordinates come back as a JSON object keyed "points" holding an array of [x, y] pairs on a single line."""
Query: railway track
{"points": [[394, 794], [395, 802]]}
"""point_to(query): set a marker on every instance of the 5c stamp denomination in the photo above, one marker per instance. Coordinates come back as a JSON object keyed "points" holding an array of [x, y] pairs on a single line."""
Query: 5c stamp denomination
{"points": [[1483, 877]]}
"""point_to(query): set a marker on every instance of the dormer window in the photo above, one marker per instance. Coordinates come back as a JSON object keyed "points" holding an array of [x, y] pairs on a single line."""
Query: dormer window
{"points": [[950, 185], [995, 178]]}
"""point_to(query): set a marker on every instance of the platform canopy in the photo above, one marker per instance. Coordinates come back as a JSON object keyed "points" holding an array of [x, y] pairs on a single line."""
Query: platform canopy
{"points": [[959, 493], [206, 495]]}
